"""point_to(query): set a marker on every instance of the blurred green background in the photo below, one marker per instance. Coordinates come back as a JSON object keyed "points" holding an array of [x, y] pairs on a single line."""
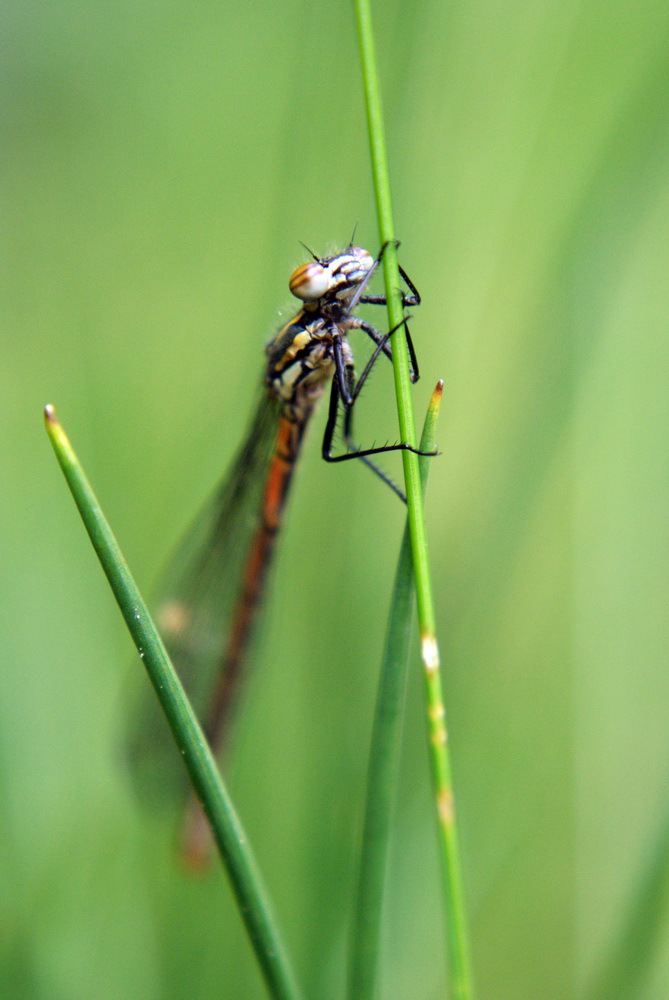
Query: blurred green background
{"points": [[162, 161]]}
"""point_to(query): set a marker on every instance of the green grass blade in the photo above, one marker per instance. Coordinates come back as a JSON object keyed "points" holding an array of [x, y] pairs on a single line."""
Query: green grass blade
{"points": [[630, 960], [385, 754], [459, 964], [237, 856]]}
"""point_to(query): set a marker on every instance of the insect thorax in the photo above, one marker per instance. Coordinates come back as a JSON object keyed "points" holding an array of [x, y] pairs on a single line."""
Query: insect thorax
{"points": [[301, 363]]}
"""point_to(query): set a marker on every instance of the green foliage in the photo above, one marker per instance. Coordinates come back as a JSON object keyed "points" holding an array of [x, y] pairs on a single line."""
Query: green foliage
{"points": [[162, 164]]}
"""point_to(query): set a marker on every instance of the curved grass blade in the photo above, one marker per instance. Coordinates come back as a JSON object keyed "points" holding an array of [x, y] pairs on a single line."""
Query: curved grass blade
{"points": [[238, 859]]}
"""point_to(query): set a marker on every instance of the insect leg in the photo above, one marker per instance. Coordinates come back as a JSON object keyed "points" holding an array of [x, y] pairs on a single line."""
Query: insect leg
{"points": [[359, 297], [380, 299], [383, 338], [345, 387], [413, 299], [354, 451]]}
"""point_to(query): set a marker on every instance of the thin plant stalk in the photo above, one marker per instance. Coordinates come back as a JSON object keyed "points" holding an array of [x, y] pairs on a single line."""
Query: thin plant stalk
{"points": [[384, 755], [459, 963], [238, 859]]}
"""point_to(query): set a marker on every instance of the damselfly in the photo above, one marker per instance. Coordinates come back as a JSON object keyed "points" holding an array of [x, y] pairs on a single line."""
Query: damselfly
{"points": [[208, 625]]}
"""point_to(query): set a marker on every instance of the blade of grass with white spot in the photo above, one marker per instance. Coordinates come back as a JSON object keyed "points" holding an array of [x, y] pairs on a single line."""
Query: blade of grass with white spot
{"points": [[458, 946]]}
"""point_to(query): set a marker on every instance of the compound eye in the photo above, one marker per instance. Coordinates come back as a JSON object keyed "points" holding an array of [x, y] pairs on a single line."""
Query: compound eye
{"points": [[309, 281]]}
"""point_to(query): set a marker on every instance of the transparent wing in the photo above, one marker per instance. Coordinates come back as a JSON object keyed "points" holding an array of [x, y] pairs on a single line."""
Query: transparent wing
{"points": [[197, 597]]}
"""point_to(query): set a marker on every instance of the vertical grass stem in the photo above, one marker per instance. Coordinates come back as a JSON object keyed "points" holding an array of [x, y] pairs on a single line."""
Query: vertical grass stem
{"points": [[459, 965]]}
